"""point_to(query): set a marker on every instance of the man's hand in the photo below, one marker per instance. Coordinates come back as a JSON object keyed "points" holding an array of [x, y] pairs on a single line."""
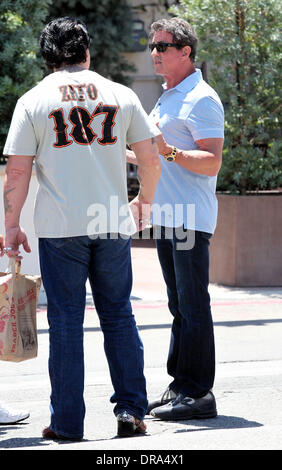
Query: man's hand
{"points": [[131, 157], [141, 212], [15, 237]]}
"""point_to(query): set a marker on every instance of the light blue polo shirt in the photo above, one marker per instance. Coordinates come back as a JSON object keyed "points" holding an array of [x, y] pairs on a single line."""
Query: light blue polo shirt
{"points": [[188, 112]]}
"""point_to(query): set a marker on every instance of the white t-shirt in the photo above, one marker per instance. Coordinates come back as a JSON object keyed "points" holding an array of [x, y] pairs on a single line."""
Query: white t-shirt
{"points": [[77, 125]]}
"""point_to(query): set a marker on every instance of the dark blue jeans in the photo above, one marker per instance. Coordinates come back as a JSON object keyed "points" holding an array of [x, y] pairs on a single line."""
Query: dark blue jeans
{"points": [[191, 358], [66, 263]]}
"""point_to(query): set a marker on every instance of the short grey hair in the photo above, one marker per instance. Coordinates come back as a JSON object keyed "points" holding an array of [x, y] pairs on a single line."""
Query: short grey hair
{"points": [[182, 33]]}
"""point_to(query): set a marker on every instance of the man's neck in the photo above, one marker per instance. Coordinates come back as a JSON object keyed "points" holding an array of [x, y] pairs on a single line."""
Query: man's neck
{"points": [[174, 80], [71, 68], [75, 67]]}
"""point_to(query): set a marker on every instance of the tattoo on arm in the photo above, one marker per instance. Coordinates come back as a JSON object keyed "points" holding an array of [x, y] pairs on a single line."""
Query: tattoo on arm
{"points": [[153, 140], [7, 205]]}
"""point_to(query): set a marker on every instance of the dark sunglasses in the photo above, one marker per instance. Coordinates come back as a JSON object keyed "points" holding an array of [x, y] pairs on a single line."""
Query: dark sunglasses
{"points": [[162, 46]]}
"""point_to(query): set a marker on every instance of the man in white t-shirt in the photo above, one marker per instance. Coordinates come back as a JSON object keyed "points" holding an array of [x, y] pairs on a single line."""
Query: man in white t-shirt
{"points": [[75, 126]]}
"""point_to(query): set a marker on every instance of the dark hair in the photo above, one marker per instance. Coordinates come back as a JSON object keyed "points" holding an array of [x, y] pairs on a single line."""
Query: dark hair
{"points": [[64, 40], [182, 33]]}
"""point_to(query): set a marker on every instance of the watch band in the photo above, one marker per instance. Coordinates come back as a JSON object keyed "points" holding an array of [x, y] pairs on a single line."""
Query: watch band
{"points": [[170, 157]]}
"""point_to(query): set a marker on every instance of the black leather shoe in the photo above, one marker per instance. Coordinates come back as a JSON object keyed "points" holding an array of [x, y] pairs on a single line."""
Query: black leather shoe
{"points": [[187, 408], [165, 398]]}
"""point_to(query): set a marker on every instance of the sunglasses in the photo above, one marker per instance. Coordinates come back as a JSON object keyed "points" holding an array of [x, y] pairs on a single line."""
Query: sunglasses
{"points": [[162, 46]]}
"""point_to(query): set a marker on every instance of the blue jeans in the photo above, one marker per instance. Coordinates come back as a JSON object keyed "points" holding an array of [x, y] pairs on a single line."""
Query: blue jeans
{"points": [[66, 263], [191, 357]]}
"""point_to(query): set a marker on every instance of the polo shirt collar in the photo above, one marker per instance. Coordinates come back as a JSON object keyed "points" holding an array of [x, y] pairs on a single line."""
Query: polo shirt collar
{"points": [[188, 83]]}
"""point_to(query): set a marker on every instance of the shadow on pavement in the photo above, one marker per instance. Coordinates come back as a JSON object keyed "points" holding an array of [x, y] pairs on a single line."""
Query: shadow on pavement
{"points": [[221, 422], [230, 323], [18, 442]]}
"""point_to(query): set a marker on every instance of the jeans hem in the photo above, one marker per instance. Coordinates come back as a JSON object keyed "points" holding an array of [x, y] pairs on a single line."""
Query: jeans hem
{"points": [[63, 434]]}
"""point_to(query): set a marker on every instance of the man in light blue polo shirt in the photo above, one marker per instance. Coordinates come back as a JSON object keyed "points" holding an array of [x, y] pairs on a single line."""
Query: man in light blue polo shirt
{"points": [[190, 115]]}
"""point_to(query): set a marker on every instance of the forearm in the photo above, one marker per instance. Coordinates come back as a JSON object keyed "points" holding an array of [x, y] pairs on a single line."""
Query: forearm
{"points": [[16, 184], [205, 160], [198, 161], [148, 177], [149, 168]]}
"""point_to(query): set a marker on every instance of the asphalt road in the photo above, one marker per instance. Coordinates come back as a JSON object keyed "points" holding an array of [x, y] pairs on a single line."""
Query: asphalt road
{"points": [[248, 385]]}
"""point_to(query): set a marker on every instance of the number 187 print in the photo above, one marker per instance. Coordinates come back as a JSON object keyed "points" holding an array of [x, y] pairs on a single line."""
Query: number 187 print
{"points": [[82, 133]]}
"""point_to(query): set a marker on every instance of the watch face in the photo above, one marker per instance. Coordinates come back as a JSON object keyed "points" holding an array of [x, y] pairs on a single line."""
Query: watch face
{"points": [[169, 159]]}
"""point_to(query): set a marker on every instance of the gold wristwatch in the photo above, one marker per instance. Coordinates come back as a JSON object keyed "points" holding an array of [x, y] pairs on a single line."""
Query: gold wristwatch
{"points": [[170, 157]]}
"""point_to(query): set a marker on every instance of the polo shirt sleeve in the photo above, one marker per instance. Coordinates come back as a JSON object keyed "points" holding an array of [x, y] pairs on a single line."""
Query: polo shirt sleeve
{"points": [[141, 126], [206, 119], [21, 139]]}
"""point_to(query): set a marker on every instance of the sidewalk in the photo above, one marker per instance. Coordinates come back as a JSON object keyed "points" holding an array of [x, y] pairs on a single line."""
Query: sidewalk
{"points": [[248, 385], [148, 281]]}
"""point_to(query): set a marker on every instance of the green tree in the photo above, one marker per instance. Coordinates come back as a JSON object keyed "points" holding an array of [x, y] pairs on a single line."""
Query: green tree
{"points": [[21, 22], [110, 27], [240, 41]]}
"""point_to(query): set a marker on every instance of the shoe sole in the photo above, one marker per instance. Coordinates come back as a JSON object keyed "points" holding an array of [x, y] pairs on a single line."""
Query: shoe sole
{"points": [[15, 422], [202, 415]]}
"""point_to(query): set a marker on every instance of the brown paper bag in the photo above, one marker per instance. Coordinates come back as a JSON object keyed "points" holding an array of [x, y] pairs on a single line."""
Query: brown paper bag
{"points": [[18, 301]]}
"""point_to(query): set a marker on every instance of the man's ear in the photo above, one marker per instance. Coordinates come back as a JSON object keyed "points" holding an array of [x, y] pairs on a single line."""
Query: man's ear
{"points": [[186, 51]]}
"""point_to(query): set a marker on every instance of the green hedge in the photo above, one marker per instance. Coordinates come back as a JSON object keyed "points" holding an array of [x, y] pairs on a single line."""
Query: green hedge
{"points": [[21, 22], [241, 43]]}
